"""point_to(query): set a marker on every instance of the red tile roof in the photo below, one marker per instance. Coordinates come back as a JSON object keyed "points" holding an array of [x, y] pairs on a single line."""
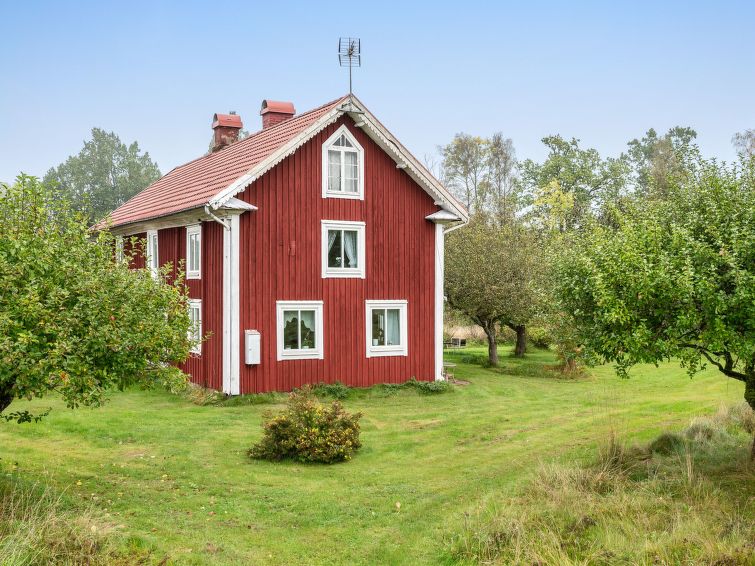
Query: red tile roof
{"points": [[192, 185]]}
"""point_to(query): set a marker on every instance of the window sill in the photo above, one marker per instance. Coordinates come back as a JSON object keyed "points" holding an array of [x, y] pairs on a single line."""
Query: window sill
{"points": [[312, 354], [338, 194], [193, 275], [383, 351], [339, 273]]}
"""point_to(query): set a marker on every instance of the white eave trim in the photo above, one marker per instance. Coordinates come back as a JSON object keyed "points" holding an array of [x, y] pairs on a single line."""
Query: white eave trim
{"points": [[442, 217], [375, 130]]}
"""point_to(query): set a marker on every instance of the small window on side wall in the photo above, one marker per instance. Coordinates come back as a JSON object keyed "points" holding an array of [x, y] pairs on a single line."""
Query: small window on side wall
{"points": [[387, 331], [299, 328], [153, 255], [194, 251], [342, 166], [195, 327], [119, 255], [343, 249]]}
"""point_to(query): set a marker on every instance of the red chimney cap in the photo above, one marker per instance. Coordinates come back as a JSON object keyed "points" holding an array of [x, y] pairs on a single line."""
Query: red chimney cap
{"points": [[227, 121], [277, 107]]}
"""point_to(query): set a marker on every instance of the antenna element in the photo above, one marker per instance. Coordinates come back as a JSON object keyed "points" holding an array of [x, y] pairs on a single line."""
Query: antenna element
{"points": [[349, 54]]}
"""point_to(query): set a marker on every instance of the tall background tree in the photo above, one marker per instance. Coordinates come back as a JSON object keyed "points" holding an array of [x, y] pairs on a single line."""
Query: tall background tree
{"points": [[73, 320], [572, 183], [491, 277], [744, 143], [104, 174], [658, 162]]}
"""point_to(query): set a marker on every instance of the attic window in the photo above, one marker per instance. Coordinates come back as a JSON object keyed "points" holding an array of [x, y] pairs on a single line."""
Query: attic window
{"points": [[343, 166]]}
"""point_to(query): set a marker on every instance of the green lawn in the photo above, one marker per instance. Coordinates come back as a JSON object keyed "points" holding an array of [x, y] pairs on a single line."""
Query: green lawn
{"points": [[175, 476]]}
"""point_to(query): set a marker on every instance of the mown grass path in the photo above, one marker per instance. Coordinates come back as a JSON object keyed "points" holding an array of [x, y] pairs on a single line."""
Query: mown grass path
{"points": [[177, 479]]}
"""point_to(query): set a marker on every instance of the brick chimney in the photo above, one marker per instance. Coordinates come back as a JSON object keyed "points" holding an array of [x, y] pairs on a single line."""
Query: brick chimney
{"points": [[274, 112], [226, 128]]}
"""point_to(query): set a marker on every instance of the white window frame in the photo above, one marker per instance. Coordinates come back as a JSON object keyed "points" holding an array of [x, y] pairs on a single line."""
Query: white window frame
{"points": [[343, 130], [193, 230], [315, 353], [344, 272], [153, 261], [119, 249], [401, 349], [193, 333]]}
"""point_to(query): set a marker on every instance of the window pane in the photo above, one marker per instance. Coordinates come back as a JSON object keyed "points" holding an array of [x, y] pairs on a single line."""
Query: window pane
{"points": [[393, 334], [378, 327], [345, 142], [291, 330], [350, 249], [351, 171], [335, 248], [307, 329], [334, 170]]}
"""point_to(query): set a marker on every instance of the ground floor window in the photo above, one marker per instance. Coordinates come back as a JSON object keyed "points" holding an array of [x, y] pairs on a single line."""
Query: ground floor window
{"points": [[300, 329], [386, 328], [195, 329]]}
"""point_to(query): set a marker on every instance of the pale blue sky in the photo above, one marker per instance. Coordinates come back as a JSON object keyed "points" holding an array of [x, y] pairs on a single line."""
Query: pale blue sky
{"points": [[156, 71]]}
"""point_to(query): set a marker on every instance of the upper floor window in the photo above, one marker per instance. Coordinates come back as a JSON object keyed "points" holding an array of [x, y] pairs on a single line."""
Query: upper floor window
{"points": [[343, 166], [153, 257], [343, 249], [194, 251]]}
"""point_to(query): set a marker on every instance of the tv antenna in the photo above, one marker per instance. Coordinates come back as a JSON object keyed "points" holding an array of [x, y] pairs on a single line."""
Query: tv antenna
{"points": [[349, 54]]}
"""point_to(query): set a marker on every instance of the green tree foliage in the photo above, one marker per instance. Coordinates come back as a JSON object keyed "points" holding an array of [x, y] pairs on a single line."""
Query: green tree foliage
{"points": [[660, 161], [744, 143], [572, 176], [492, 274], [674, 279], [482, 173], [104, 175], [72, 319]]}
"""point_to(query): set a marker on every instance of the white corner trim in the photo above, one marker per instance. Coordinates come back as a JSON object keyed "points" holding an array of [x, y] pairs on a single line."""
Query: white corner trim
{"points": [[438, 314], [343, 272], [401, 349], [231, 307], [193, 230], [359, 195], [235, 305], [316, 353]]}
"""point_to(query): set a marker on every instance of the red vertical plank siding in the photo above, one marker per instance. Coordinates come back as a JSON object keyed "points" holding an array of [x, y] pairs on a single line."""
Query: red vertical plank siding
{"points": [[206, 368], [281, 260], [135, 243]]}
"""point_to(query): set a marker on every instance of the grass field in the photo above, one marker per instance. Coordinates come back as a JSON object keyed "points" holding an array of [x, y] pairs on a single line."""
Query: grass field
{"points": [[173, 477]]}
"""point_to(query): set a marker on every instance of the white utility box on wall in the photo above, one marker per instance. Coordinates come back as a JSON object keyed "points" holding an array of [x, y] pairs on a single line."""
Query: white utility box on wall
{"points": [[252, 347]]}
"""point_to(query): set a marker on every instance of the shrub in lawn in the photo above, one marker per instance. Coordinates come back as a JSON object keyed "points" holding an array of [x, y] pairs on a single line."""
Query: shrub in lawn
{"points": [[336, 390], [667, 443], [308, 431]]}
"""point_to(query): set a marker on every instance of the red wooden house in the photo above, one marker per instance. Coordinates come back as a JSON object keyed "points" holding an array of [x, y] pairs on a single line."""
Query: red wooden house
{"points": [[313, 251]]}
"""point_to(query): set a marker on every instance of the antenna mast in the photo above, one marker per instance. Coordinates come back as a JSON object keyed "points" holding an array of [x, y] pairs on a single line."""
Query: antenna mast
{"points": [[349, 54]]}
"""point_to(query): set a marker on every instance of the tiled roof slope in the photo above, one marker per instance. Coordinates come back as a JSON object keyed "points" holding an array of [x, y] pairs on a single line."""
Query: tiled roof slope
{"points": [[193, 184]]}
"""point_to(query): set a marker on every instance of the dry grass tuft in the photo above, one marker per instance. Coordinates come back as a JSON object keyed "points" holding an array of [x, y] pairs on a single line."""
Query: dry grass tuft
{"points": [[688, 503], [37, 528]]}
